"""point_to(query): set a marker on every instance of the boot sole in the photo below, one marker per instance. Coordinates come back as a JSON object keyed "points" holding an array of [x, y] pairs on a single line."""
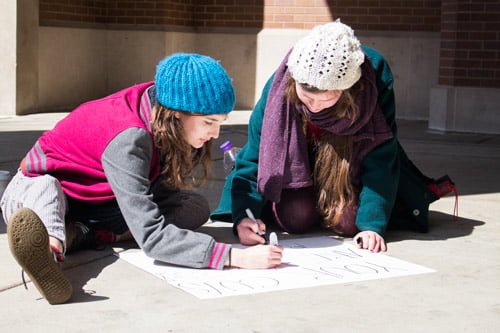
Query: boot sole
{"points": [[29, 244]]}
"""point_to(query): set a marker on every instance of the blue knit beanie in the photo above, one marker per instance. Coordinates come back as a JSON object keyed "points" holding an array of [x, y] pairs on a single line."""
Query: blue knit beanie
{"points": [[194, 83]]}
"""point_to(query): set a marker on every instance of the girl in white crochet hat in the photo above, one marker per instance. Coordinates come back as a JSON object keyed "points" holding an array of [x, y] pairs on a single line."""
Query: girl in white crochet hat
{"points": [[322, 148]]}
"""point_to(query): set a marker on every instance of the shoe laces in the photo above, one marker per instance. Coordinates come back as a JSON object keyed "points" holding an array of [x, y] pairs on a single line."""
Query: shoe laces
{"points": [[58, 258], [24, 279], [82, 228], [82, 237]]}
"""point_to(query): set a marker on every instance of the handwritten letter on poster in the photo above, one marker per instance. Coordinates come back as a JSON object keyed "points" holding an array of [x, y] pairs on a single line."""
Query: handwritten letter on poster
{"points": [[307, 262]]}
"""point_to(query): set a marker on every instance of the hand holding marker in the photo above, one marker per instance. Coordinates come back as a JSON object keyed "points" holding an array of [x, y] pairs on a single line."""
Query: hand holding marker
{"points": [[273, 238], [250, 215]]}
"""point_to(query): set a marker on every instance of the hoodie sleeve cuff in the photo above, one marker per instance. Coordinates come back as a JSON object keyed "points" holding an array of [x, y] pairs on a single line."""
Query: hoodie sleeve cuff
{"points": [[219, 255]]}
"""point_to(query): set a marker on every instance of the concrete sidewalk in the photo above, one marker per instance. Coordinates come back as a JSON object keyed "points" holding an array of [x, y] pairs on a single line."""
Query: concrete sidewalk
{"points": [[463, 294]]}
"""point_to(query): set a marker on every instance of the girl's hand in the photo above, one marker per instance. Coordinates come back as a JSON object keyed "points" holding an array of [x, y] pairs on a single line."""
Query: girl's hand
{"points": [[259, 256], [250, 231], [371, 241]]}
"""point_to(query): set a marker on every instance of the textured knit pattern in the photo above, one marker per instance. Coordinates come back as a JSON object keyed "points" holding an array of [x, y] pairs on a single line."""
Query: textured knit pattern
{"points": [[194, 83], [329, 58]]}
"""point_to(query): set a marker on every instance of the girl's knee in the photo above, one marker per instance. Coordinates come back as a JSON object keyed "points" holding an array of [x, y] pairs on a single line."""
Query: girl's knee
{"points": [[297, 217], [191, 210]]}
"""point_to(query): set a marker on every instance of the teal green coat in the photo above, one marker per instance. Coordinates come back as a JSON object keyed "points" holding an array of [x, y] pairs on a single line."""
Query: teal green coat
{"points": [[387, 175]]}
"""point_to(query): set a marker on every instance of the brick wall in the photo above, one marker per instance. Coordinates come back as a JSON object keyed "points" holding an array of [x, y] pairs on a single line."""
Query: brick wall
{"points": [[388, 15], [470, 29], [93, 13], [152, 13], [72, 11], [147, 12], [470, 43], [229, 13]]}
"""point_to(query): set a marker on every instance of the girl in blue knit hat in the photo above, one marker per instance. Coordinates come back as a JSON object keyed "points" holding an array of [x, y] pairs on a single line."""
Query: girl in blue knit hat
{"points": [[121, 167]]}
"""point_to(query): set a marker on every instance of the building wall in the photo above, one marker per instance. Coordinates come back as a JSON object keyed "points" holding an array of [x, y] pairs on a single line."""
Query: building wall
{"points": [[470, 44], [263, 32], [468, 93], [96, 47], [8, 40], [372, 15]]}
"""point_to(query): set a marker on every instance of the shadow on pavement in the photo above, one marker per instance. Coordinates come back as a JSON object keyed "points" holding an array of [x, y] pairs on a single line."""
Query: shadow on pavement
{"points": [[441, 227], [82, 266]]}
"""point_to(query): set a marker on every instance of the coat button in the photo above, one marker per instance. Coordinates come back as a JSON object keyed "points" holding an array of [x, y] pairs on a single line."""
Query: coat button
{"points": [[416, 212]]}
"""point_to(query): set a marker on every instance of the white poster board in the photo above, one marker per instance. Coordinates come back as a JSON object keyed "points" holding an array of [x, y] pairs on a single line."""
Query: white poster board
{"points": [[307, 262]]}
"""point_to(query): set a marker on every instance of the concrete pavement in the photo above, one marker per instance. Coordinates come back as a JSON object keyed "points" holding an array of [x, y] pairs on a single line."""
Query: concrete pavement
{"points": [[463, 294]]}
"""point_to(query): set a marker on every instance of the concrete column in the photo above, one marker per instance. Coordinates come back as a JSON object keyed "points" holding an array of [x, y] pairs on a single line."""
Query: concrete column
{"points": [[8, 19], [464, 109], [27, 56]]}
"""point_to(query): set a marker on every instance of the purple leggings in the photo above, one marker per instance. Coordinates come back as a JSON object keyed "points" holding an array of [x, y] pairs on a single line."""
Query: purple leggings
{"points": [[297, 213]]}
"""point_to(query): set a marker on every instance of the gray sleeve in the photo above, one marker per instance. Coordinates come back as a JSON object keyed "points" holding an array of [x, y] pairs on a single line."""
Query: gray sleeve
{"points": [[126, 162]]}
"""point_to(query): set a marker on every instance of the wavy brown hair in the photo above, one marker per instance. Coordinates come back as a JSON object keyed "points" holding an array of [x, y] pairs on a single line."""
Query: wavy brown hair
{"points": [[333, 155], [182, 165]]}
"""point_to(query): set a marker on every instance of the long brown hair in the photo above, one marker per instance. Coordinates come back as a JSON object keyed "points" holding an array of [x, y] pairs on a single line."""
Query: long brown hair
{"points": [[179, 159], [333, 155]]}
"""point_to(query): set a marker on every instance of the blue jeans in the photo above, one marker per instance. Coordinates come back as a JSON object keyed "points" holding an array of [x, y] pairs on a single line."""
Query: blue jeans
{"points": [[105, 216]]}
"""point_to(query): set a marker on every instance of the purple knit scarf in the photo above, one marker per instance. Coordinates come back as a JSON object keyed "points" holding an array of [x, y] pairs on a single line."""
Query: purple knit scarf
{"points": [[283, 152]]}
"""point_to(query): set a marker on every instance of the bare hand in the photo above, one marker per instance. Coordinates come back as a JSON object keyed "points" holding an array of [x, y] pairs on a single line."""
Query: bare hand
{"points": [[249, 231], [371, 241], [258, 256]]}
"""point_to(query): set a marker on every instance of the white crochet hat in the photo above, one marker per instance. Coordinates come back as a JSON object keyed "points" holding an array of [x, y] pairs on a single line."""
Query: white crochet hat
{"points": [[328, 58]]}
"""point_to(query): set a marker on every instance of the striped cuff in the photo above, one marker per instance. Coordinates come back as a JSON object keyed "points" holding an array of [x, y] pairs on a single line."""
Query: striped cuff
{"points": [[219, 254]]}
